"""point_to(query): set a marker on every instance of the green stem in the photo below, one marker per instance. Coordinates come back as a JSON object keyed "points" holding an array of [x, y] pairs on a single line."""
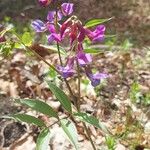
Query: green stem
{"points": [[77, 102], [36, 54], [79, 85], [89, 136], [78, 106]]}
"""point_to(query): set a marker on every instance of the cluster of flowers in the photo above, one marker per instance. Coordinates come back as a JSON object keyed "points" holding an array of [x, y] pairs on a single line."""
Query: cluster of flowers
{"points": [[73, 29]]}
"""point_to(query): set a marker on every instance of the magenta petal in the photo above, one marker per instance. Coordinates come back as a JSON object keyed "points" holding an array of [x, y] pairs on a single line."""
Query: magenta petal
{"points": [[97, 34], [54, 37], [51, 28], [81, 35], [38, 26], [101, 28], [67, 8], [64, 26], [44, 2]]}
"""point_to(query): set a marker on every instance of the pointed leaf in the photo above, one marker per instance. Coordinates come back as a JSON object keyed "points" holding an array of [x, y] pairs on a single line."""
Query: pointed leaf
{"points": [[71, 131], [61, 96], [27, 38], [43, 140], [95, 22], [92, 50], [26, 118], [91, 120], [39, 106]]}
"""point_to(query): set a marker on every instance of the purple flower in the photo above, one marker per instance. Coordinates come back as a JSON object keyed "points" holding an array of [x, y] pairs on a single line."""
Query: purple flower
{"points": [[38, 26], [97, 34], [67, 8], [54, 37], [68, 70], [51, 28], [96, 78], [83, 58], [52, 16]]}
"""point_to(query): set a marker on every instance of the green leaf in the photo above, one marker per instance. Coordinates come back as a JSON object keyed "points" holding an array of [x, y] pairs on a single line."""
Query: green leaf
{"points": [[61, 96], [39, 106], [27, 39], [95, 22], [91, 120], [71, 131], [26, 118], [43, 140], [6, 48], [91, 50]]}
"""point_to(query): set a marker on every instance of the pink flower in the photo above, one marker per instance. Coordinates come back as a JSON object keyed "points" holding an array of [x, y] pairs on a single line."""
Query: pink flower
{"points": [[45, 2]]}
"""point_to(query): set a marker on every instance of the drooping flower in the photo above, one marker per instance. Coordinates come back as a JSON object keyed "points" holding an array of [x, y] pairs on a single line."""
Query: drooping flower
{"points": [[38, 26], [68, 70], [67, 8], [95, 78], [44, 2], [97, 35], [54, 37], [83, 58]]}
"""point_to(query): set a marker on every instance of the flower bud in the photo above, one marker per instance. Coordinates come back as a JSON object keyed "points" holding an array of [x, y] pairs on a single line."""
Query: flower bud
{"points": [[45, 2]]}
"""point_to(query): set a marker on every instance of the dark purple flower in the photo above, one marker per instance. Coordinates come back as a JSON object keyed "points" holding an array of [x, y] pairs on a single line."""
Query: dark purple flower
{"points": [[96, 78], [45, 2], [67, 8], [52, 16], [38, 26], [68, 70]]}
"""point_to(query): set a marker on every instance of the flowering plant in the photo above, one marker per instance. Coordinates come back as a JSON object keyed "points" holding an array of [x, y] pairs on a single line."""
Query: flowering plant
{"points": [[61, 26]]}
